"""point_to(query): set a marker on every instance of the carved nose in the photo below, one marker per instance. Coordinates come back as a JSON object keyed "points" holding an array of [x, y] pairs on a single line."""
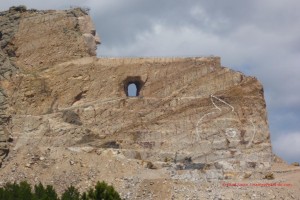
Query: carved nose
{"points": [[97, 39]]}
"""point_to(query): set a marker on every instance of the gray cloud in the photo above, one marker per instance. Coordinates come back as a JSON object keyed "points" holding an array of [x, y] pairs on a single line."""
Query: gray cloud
{"points": [[259, 38], [287, 146]]}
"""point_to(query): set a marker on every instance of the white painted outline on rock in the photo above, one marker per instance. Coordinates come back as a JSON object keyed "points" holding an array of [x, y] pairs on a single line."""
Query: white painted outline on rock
{"points": [[254, 133], [215, 107]]}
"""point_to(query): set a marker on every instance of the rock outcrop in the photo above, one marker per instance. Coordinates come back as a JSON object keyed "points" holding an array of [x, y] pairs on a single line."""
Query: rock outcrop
{"points": [[32, 39], [67, 116], [9, 23]]}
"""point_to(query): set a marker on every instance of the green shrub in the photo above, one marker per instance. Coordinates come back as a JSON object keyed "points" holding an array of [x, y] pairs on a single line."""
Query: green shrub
{"points": [[23, 191], [84, 196], [51, 193], [71, 194], [103, 191], [12, 191], [39, 192], [42, 193]]}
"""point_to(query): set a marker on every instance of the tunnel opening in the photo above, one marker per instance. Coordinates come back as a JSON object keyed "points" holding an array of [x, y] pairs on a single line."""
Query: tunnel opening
{"points": [[133, 86], [132, 90]]}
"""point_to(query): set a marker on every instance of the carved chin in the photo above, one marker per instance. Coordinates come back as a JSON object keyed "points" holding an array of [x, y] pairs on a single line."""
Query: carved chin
{"points": [[90, 42]]}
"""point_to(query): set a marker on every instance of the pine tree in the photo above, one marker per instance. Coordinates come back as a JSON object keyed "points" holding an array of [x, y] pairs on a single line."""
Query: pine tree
{"points": [[39, 192], [103, 191], [24, 192], [84, 196], [71, 194], [51, 193], [12, 191]]}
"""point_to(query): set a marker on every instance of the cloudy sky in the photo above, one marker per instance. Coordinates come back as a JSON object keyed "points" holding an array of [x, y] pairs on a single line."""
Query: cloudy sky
{"points": [[257, 37]]}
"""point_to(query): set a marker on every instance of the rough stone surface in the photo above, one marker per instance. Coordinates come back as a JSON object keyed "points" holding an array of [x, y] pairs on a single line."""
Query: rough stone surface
{"points": [[66, 117], [9, 22]]}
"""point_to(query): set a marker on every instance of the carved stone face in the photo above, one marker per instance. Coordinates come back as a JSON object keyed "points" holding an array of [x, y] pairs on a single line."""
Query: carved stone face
{"points": [[90, 36]]}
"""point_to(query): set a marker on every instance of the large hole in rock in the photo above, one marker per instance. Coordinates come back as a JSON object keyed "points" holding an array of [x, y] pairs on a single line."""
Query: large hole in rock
{"points": [[133, 86], [132, 90]]}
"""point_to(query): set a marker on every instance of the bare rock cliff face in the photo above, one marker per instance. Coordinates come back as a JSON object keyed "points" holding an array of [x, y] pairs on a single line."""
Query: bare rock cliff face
{"points": [[9, 22], [66, 117]]}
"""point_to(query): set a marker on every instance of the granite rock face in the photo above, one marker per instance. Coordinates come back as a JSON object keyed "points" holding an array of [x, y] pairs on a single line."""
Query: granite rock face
{"points": [[58, 101], [9, 22], [187, 107]]}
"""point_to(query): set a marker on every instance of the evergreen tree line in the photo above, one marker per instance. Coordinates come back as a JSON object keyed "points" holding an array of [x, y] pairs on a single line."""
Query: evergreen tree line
{"points": [[23, 191]]}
